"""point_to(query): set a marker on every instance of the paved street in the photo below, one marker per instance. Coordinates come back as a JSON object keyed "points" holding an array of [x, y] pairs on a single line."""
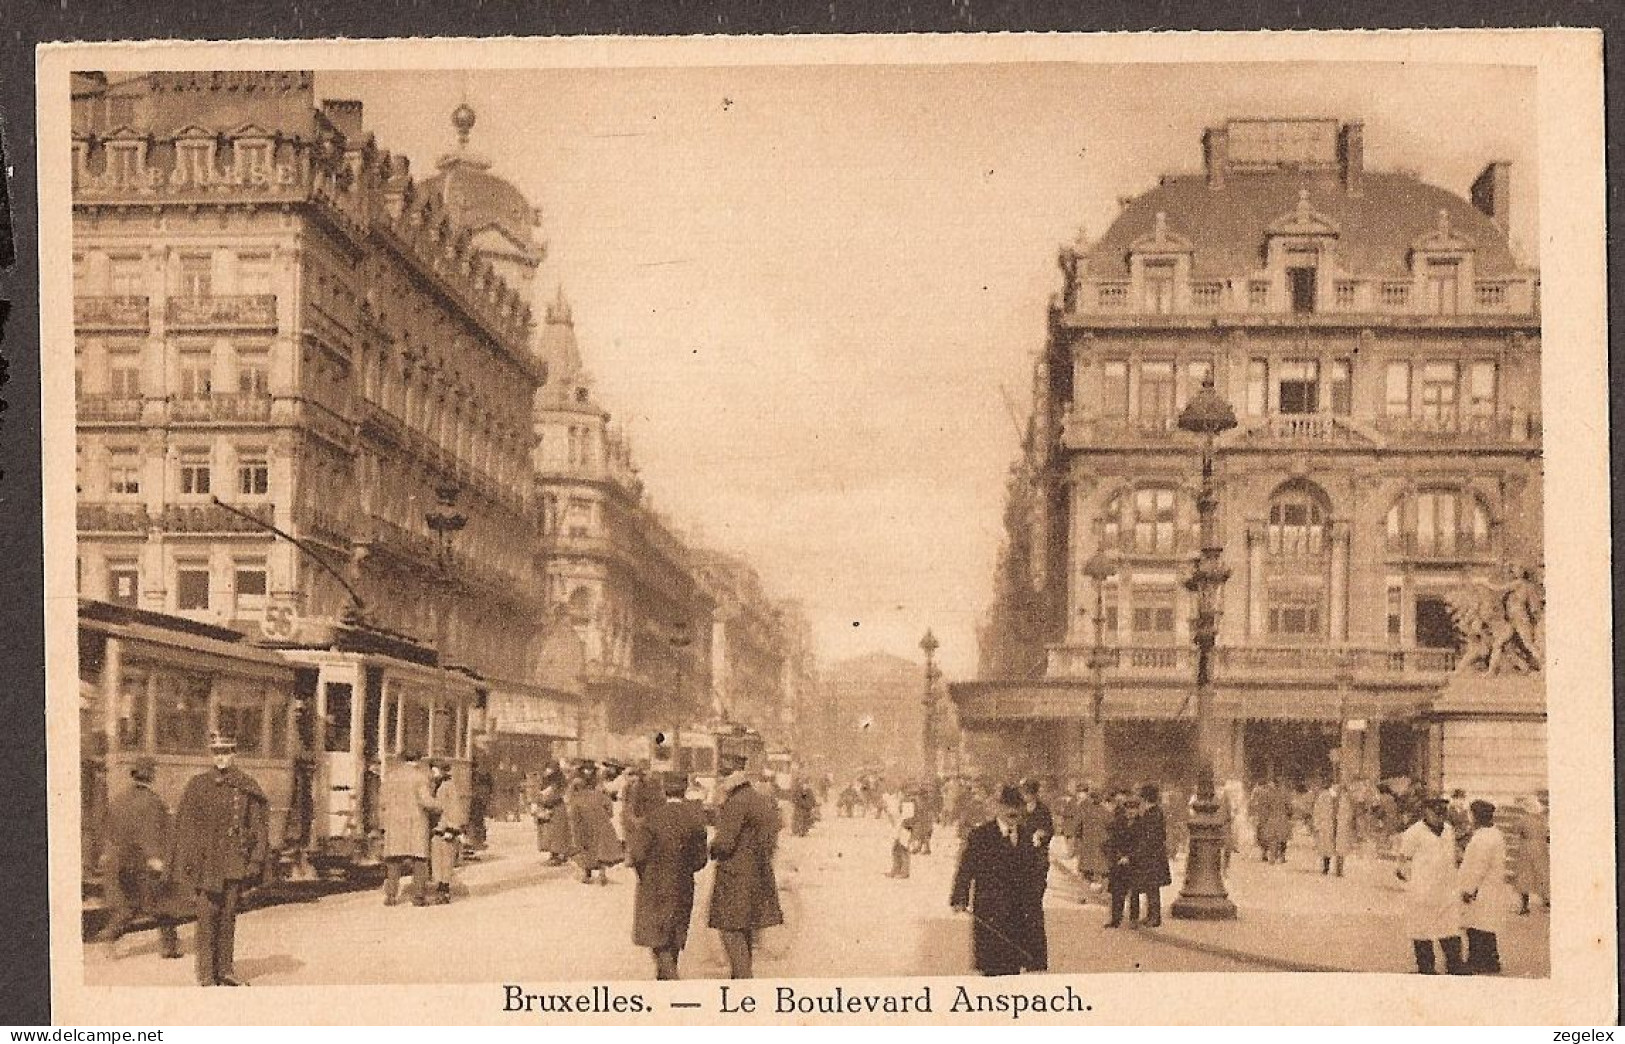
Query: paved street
{"points": [[534, 923]]}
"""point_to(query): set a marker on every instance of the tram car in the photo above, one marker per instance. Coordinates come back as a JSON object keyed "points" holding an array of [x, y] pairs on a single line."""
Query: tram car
{"points": [[318, 727]]}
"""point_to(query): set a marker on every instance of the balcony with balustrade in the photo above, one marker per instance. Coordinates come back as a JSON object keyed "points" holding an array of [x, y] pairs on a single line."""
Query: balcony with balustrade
{"points": [[1303, 429], [109, 314], [213, 519], [109, 409], [1456, 430], [1441, 547], [1315, 664], [112, 517], [221, 409], [222, 312]]}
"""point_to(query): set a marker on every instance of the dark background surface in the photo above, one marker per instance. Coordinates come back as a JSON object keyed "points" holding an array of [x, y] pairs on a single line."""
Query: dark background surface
{"points": [[24, 960]]}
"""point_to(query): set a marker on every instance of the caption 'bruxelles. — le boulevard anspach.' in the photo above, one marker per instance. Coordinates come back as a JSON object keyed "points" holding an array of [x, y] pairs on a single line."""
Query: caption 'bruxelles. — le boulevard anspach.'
{"points": [[601, 1000]]}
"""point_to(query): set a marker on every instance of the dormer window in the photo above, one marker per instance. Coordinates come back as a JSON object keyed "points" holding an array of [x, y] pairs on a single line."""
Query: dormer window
{"points": [[1159, 287], [194, 160], [124, 162], [1444, 286]]}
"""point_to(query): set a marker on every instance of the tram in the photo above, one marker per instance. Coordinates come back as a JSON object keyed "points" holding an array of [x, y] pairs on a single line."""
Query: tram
{"points": [[318, 727]]}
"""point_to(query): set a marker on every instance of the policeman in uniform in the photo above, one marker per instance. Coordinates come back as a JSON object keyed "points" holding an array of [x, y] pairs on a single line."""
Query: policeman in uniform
{"points": [[221, 845]]}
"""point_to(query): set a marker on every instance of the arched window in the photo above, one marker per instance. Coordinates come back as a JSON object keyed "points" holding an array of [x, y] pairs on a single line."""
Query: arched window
{"points": [[1297, 521], [1154, 520]]}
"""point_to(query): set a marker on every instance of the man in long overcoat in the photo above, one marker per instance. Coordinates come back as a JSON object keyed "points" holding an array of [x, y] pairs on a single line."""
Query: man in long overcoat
{"points": [[995, 882], [1272, 817], [1039, 824], [1333, 822], [135, 854], [744, 892], [1148, 854], [407, 815], [221, 842], [1089, 818], [666, 846]]}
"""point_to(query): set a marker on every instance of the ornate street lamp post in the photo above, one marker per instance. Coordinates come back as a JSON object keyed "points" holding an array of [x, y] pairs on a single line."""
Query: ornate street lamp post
{"points": [[1203, 896], [928, 727], [445, 522], [1098, 570]]}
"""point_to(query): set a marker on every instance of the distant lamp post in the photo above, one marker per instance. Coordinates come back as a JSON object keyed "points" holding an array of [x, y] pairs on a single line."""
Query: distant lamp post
{"points": [[445, 522], [928, 727], [1203, 896], [1098, 570]]}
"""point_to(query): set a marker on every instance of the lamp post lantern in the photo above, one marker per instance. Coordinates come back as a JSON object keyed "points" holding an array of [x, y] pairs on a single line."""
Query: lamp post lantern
{"points": [[445, 522], [1203, 896], [928, 725], [1098, 570]]}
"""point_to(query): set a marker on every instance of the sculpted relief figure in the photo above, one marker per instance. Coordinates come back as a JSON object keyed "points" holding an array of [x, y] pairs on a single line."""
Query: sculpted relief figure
{"points": [[1502, 625]]}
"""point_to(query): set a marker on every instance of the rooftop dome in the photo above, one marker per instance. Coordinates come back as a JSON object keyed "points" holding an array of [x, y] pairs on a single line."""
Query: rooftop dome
{"points": [[479, 201], [1227, 225]]}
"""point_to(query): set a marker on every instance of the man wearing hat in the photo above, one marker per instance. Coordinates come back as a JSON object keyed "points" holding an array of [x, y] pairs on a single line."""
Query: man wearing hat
{"points": [[666, 847], [135, 853], [446, 838], [745, 892], [221, 845], [995, 881], [408, 812], [1432, 911]]}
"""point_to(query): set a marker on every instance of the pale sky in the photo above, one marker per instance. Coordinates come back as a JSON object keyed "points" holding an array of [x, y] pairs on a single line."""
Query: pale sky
{"points": [[808, 290]]}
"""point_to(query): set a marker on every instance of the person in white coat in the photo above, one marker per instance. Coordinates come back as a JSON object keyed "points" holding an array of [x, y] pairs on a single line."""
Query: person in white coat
{"points": [[1485, 894], [1427, 865]]}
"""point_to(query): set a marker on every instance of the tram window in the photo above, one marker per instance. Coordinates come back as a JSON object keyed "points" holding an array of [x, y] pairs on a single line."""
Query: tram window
{"points": [[183, 713], [415, 726], [241, 713], [276, 707], [132, 711], [338, 718]]}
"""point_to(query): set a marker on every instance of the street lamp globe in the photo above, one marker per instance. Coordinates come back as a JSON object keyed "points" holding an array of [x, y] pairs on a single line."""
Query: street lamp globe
{"points": [[1100, 567], [929, 644]]}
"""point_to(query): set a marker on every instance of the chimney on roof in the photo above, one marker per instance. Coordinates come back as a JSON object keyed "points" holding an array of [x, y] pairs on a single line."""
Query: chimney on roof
{"points": [[345, 114], [1492, 193], [1216, 155], [1351, 155]]}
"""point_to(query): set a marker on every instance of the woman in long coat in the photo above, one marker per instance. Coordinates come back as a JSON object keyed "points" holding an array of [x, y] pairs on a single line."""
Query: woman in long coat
{"points": [[1532, 867], [1148, 854], [592, 827], [1486, 897], [446, 840]]}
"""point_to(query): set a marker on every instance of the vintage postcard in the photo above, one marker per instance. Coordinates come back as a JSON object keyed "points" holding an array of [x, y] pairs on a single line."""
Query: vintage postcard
{"points": [[899, 529]]}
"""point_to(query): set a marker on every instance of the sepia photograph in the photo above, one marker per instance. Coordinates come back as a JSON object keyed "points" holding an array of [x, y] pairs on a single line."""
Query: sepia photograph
{"points": [[774, 516]]}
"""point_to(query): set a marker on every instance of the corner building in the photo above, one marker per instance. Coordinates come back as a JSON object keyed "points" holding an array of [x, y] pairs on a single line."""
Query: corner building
{"points": [[270, 310], [1380, 345]]}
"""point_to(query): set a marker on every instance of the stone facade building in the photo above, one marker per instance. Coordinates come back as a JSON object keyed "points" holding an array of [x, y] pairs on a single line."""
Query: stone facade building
{"points": [[276, 324], [1380, 345]]}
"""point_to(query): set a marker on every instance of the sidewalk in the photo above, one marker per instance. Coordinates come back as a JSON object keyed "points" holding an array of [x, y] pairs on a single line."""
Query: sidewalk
{"points": [[1291, 918]]}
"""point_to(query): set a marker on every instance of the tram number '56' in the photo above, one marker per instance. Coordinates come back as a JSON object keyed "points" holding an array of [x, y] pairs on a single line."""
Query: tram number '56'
{"points": [[280, 622]]}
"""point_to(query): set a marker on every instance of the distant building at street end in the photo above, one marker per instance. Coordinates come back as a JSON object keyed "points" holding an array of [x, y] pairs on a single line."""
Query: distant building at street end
{"points": [[1379, 342]]}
